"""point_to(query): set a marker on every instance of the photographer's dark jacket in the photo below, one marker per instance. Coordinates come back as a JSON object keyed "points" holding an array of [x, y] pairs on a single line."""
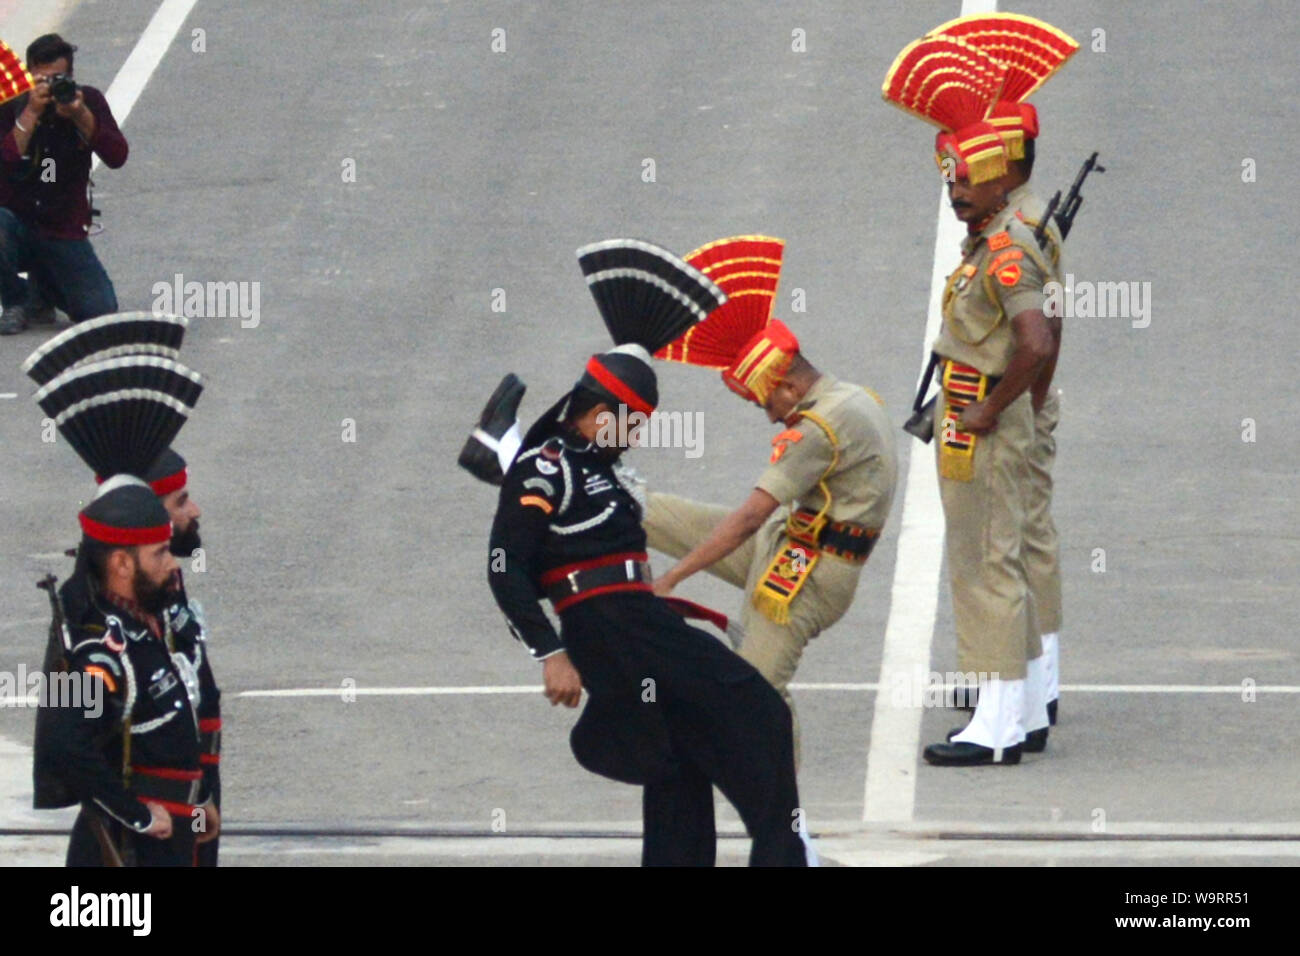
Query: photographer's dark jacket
{"points": [[60, 207], [155, 676]]}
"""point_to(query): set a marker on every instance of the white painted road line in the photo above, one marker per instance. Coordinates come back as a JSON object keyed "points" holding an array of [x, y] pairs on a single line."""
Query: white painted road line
{"points": [[889, 792], [890, 789], [482, 691], [144, 59]]}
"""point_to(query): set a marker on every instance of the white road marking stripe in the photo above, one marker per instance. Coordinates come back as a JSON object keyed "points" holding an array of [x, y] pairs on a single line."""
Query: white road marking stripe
{"points": [[488, 690], [144, 59], [889, 792]]}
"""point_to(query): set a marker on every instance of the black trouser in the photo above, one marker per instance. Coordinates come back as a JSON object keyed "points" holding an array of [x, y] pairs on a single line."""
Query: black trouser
{"points": [[207, 852], [681, 714], [137, 849]]}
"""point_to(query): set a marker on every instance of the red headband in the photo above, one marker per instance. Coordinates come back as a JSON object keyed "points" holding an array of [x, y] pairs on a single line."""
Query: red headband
{"points": [[165, 485], [125, 536], [617, 387]]}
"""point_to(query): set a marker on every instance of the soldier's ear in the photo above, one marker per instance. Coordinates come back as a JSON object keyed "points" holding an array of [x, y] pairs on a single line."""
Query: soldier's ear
{"points": [[120, 563]]}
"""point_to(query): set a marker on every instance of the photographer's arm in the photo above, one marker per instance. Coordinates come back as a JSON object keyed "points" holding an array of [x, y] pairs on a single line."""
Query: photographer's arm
{"points": [[25, 125], [80, 114], [104, 138]]}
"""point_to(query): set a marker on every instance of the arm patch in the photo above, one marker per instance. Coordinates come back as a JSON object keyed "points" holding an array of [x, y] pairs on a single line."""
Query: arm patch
{"points": [[541, 484], [783, 441], [538, 502]]}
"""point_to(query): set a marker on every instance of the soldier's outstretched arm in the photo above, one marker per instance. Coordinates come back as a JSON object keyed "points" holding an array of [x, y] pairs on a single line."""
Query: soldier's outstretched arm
{"points": [[74, 752]]}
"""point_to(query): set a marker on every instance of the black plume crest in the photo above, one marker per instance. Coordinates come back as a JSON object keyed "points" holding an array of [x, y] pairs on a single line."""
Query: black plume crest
{"points": [[120, 414], [645, 294], [107, 337]]}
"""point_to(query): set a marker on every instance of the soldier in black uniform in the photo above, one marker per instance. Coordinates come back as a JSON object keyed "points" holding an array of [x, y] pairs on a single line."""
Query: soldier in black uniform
{"points": [[132, 761], [670, 708], [169, 479], [124, 631]]}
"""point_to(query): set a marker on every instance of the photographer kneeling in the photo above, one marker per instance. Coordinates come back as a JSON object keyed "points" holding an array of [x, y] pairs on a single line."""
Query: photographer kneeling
{"points": [[46, 140]]}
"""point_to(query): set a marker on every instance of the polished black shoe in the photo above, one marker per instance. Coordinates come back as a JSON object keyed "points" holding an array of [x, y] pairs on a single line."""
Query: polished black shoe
{"points": [[1051, 713], [968, 755], [479, 456]]}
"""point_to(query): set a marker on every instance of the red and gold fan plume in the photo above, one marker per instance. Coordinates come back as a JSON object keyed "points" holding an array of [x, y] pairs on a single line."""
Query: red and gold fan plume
{"points": [[944, 81], [747, 269], [1030, 49], [14, 78]]}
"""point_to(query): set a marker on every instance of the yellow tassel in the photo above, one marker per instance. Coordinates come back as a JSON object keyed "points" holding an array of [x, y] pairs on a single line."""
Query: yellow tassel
{"points": [[772, 606], [956, 466]]}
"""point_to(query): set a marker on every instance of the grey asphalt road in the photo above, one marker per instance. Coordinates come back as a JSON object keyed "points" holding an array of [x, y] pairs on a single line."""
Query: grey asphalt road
{"points": [[334, 561]]}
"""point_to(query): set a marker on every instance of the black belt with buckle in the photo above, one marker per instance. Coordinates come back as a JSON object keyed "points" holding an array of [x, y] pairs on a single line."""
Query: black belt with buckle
{"points": [[571, 583], [177, 786]]}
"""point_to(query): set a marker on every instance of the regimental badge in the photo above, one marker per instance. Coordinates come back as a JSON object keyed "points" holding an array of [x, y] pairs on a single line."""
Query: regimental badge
{"points": [[546, 467], [999, 240], [783, 441], [1009, 275]]}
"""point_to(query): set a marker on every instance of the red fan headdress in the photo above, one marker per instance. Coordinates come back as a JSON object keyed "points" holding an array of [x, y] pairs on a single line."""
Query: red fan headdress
{"points": [[953, 85], [1030, 49], [753, 350], [14, 78]]}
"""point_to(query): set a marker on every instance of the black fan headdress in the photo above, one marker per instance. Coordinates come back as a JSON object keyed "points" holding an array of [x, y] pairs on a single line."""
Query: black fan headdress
{"points": [[120, 415], [107, 337]]}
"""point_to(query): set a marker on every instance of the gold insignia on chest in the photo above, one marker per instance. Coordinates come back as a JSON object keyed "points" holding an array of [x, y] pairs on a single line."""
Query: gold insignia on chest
{"points": [[967, 273]]}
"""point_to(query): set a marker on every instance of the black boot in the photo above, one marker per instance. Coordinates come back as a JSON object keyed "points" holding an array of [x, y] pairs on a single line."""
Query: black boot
{"points": [[478, 457], [968, 755]]}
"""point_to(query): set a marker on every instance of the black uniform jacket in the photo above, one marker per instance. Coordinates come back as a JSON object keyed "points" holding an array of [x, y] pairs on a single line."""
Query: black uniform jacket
{"points": [[563, 502], [134, 675]]}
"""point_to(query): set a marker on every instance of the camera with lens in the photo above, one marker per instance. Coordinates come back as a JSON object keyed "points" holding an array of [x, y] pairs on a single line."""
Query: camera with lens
{"points": [[63, 89]]}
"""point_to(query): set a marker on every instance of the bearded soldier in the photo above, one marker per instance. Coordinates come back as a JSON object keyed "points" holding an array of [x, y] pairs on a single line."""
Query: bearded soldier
{"points": [[670, 708], [134, 763], [169, 477], [993, 345], [1016, 120]]}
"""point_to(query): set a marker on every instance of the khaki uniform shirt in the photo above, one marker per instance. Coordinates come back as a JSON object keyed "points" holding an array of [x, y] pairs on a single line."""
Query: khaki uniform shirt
{"points": [[862, 480], [1002, 273], [1032, 209]]}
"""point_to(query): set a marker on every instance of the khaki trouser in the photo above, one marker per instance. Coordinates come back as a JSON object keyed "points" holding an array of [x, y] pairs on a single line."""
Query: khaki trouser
{"points": [[997, 632], [676, 525], [1042, 554]]}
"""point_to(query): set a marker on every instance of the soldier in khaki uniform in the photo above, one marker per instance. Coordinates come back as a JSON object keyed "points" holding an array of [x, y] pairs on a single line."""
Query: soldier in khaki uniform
{"points": [[993, 344], [1042, 550], [798, 542], [1017, 123]]}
